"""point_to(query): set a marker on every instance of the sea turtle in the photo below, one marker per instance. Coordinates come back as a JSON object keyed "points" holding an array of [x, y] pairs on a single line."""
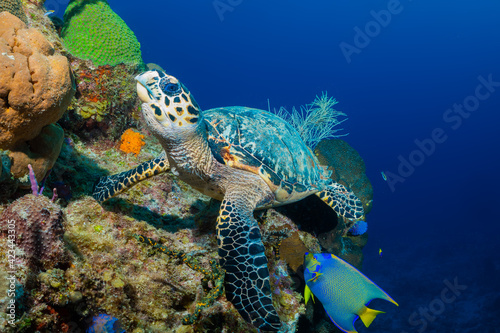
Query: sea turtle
{"points": [[248, 159]]}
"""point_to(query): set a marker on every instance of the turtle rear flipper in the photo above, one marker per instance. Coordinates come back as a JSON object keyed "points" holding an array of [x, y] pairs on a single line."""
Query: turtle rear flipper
{"points": [[242, 256], [109, 186], [342, 200]]}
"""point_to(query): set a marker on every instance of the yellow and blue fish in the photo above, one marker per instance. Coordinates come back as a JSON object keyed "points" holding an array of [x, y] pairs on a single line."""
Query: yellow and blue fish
{"points": [[342, 289]]}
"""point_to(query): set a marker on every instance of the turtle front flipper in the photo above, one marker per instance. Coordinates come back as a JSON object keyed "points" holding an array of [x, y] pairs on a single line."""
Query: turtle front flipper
{"points": [[242, 256], [342, 200], [109, 186]]}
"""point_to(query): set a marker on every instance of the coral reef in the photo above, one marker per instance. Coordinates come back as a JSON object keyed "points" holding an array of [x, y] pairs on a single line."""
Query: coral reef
{"points": [[14, 7], [292, 250], [105, 58], [109, 271], [93, 31], [79, 266], [39, 230], [106, 103], [215, 276], [7, 183], [41, 152], [131, 142], [348, 168], [35, 82]]}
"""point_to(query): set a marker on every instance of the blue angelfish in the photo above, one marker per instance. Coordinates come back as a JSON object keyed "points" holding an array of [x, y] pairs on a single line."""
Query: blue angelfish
{"points": [[342, 289]]}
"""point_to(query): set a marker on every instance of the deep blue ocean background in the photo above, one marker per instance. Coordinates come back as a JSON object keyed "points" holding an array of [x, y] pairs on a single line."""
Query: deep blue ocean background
{"points": [[442, 222]]}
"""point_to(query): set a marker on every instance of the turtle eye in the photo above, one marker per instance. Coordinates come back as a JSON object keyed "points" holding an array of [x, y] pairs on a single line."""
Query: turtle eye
{"points": [[169, 88], [172, 87]]}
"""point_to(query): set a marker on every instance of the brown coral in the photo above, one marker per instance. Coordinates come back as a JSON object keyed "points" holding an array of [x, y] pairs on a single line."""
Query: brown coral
{"points": [[38, 230], [348, 168], [41, 152], [35, 82], [292, 250]]}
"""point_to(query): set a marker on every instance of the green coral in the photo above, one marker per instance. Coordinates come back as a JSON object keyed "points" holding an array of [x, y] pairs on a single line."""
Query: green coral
{"points": [[93, 31], [96, 109], [14, 7]]}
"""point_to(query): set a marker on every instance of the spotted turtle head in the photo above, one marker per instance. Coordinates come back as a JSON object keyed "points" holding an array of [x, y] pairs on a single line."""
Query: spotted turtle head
{"points": [[167, 103]]}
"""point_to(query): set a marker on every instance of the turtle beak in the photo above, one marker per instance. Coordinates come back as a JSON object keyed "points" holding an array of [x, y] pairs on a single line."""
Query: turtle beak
{"points": [[143, 91]]}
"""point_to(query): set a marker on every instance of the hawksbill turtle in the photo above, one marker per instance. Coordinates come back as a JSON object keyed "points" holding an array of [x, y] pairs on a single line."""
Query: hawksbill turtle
{"points": [[248, 159]]}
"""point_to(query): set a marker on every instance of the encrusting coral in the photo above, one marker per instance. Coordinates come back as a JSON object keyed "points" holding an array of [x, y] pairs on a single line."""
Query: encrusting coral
{"points": [[93, 31], [216, 276]]}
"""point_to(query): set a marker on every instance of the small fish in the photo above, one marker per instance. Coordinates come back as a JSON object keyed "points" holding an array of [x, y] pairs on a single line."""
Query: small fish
{"points": [[342, 289], [383, 175], [380, 253], [49, 12]]}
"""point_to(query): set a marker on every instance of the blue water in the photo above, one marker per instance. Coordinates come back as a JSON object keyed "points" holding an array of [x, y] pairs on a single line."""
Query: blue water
{"points": [[442, 221]]}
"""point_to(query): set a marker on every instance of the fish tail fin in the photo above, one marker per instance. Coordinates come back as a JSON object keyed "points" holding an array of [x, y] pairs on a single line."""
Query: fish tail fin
{"points": [[383, 295], [367, 315], [377, 292], [308, 293]]}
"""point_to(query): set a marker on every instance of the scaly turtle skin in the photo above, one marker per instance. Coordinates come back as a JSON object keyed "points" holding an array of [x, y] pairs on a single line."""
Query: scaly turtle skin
{"points": [[248, 159]]}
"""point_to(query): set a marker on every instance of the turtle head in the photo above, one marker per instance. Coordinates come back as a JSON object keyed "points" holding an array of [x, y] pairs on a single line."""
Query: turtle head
{"points": [[168, 106]]}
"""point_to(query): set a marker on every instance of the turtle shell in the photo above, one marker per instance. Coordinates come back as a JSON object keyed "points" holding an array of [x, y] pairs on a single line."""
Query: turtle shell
{"points": [[265, 144]]}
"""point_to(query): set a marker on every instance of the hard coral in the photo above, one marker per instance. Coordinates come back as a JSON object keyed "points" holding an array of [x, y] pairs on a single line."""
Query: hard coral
{"points": [[41, 152], [35, 82], [93, 31], [14, 7], [106, 102], [38, 230], [348, 168], [131, 142]]}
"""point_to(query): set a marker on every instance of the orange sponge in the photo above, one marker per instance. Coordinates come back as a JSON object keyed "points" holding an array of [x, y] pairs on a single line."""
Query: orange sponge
{"points": [[131, 142]]}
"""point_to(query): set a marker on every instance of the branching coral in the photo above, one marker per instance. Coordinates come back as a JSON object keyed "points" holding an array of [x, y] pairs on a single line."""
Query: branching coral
{"points": [[315, 121]]}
